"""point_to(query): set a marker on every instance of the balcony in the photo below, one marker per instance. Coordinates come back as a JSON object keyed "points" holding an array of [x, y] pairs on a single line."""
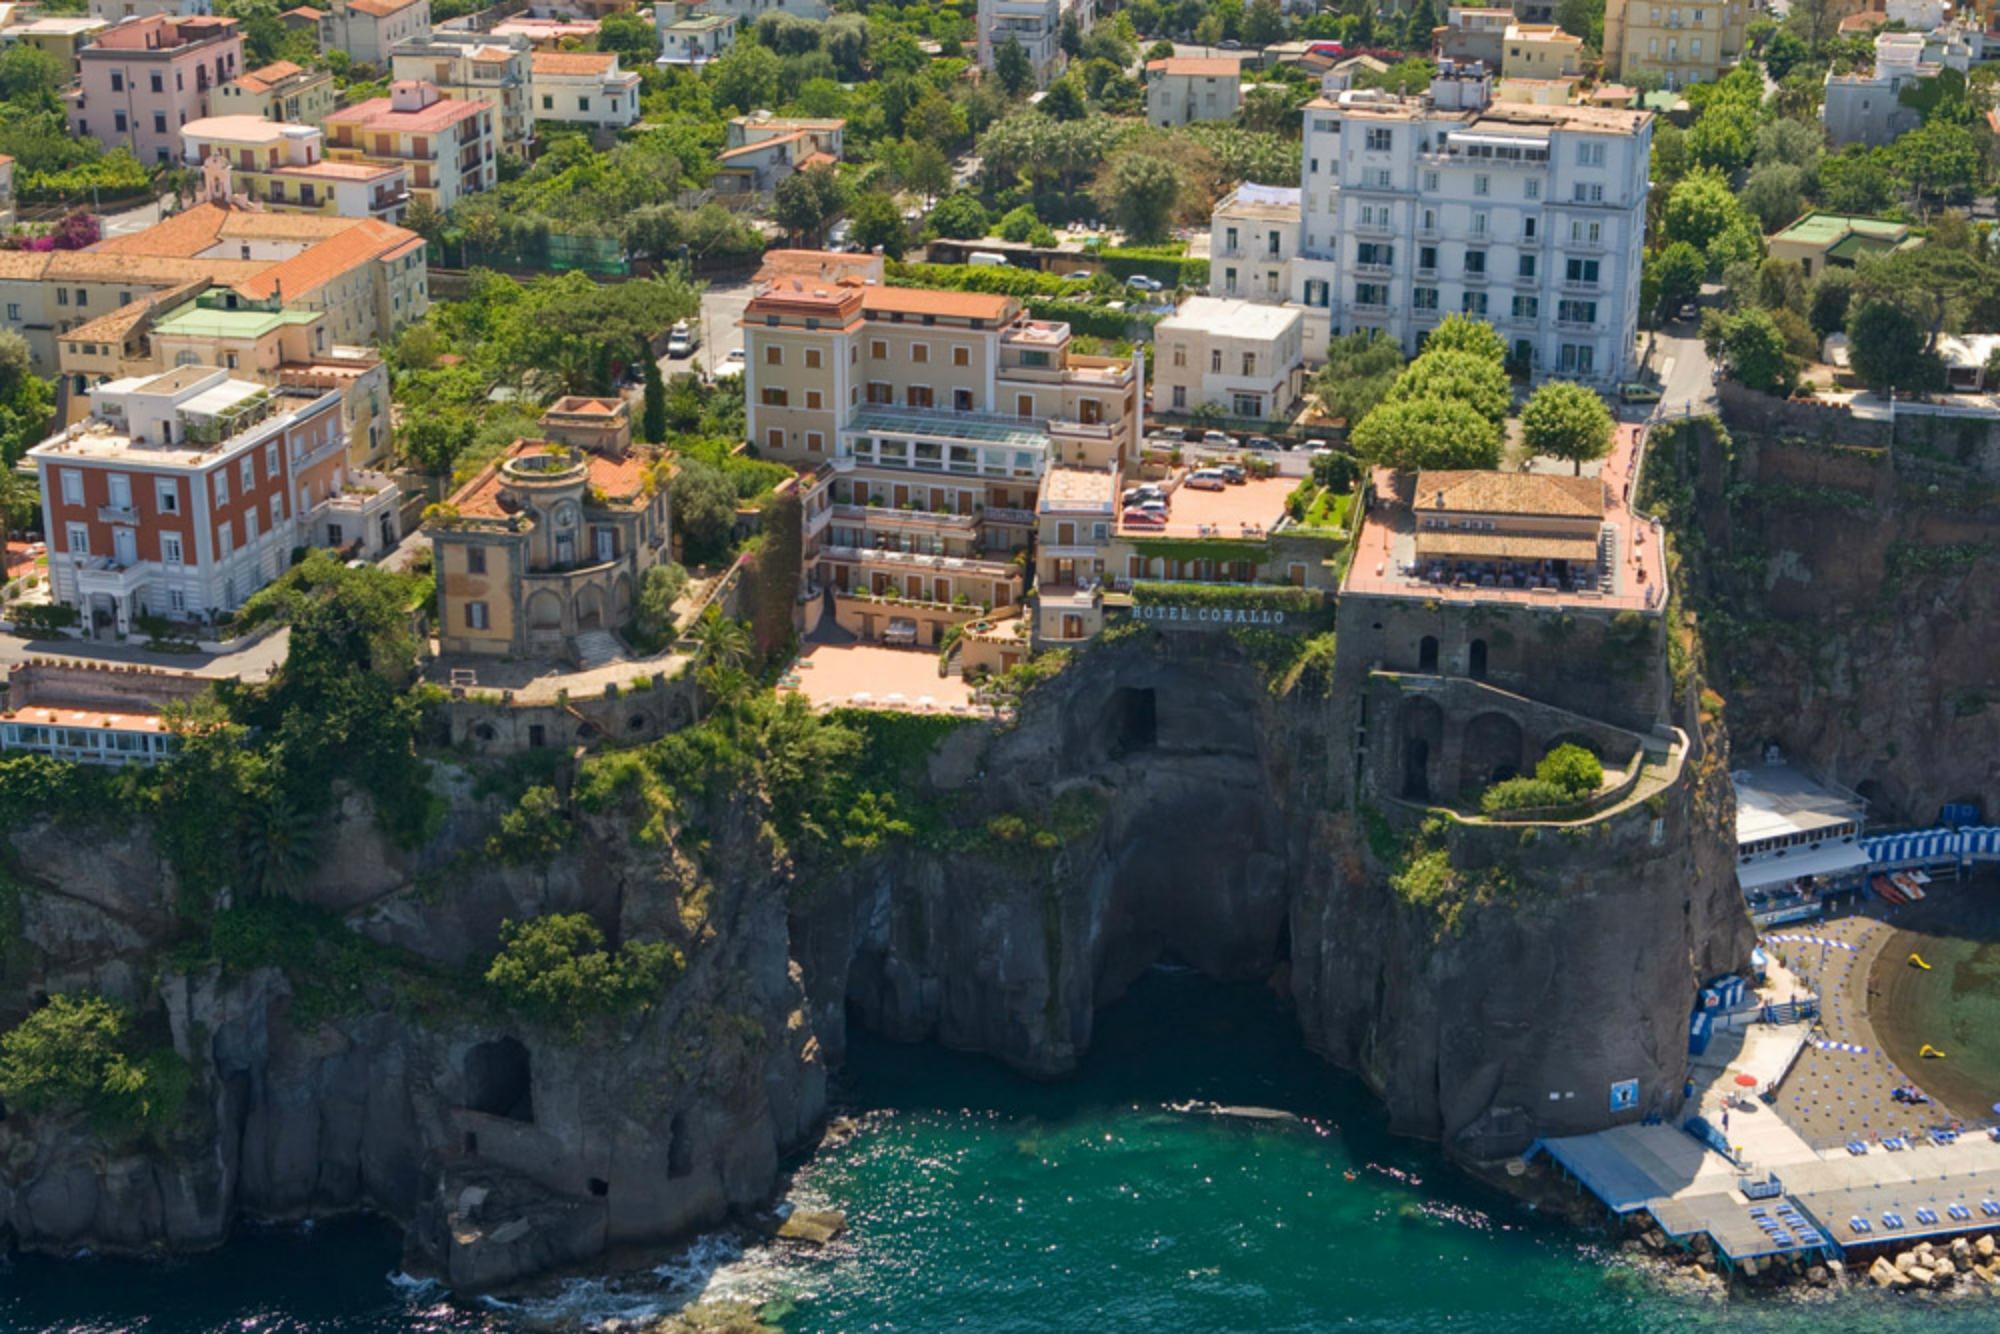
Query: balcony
{"points": [[1382, 270], [1471, 278], [883, 516], [1580, 285], [124, 514], [1579, 326], [1008, 515], [916, 560]]}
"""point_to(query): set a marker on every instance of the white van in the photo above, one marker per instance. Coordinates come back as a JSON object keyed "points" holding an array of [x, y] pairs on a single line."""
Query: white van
{"points": [[986, 259]]}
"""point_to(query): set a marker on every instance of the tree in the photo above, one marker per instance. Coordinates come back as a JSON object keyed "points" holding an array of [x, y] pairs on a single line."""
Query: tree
{"points": [[1938, 160], [1567, 421], [1784, 52], [926, 169], [658, 592], [1140, 191], [747, 77], [1012, 67], [1856, 180], [1827, 300], [1752, 346], [433, 437], [960, 217], [1469, 377], [1573, 769], [78, 1053], [704, 509], [1065, 100], [1360, 369], [1018, 223], [1775, 193], [1264, 23], [421, 216], [806, 201], [1417, 29], [30, 76], [1885, 347], [653, 417], [557, 969], [26, 400], [1676, 271], [1700, 208], [722, 656], [628, 35], [1794, 143], [844, 38], [1467, 333], [1414, 434], [876, 221]]}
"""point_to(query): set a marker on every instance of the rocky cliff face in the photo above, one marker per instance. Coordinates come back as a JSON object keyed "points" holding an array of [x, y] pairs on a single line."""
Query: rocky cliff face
{"points": [[1156, 801]]}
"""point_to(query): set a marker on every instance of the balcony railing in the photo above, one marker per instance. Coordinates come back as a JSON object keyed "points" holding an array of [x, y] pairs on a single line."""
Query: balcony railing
{"points": [[887, 515], [1008, 515], [918, 560]]}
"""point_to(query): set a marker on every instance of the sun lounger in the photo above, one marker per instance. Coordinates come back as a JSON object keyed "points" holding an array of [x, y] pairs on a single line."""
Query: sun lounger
{"points": [[1856, 1147], [1892, 1220], [1989, 1208], [1959, 1212], [1858, 1224], [1927, 1217]]}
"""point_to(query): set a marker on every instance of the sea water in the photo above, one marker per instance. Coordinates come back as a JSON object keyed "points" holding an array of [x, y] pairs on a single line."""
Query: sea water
{"points": [[1201, 1172]]}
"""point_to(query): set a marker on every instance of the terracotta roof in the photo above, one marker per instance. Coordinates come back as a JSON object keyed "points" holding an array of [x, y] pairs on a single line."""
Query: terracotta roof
{"points": [[621, 481], [1503, 546], [585, 406], [924, 301], [314, 267], [762, 144], [1209, 67], [303, 11], [575, 62], [379, 113], [88, 266], [260, 80], [114, 327], [379, 9], [824, 265], [817, 160], [1524, 493], [367, 170]]}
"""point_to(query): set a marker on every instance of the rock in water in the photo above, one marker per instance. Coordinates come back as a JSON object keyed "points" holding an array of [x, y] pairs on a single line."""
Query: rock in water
{"points": [[816, 1226], [1883, 1274]]}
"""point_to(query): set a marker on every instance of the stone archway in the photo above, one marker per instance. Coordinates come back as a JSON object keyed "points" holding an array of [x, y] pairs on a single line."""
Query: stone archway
{"points": [[1427, 655], [1421, 730], [1490, 751], [621, 599], [545, 611], [1476, 660], [589, 608]]}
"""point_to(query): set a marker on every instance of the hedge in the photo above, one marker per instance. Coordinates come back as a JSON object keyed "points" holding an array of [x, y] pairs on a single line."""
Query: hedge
{"points": [[1261, 597], [1093, 320], [1201, 548], [44, 618], [1155, 262], [1004, 280]]}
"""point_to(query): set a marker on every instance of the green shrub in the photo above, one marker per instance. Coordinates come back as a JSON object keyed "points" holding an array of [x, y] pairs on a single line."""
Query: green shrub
{"points": [[534, 831], [557, 969], [1572, 769], [1524, 794], [45, 618], [78, 1053]]}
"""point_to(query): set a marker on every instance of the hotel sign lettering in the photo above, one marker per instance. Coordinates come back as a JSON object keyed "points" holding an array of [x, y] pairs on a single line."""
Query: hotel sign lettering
{"points": [[1207, 616]]}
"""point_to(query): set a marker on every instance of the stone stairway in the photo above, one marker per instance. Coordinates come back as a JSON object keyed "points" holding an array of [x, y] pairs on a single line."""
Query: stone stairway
{"points": [[595, 648]]}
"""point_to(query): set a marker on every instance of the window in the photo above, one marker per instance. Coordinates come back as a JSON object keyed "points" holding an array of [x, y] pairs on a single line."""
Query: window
{"points": [[1371, 294], [1430, 182], [774, 355], [247, 470], [961, 355], [1479, 223], [72, 487], [774, 439], [1215, 361], [77, 540], [1694, 48], [1581, 233], [1531, 189], [170, 548], [548, 102], [815, 442], [476, 616], [1427, 259], [221, 487], [1526, 268], [1376, 253], [169, 496], [1580, 271], [118, 122], [1475, 303], [1577, 312], [14, 311], [249, 527], [961, 400], [159, 122], [920, 353], [1424, 298], [1378, 178], [62, 296], [812, 358], [158, 86], [1249, 363], [773, 398], [878, 350], [1180, 356], [117, 82], [813, 400], [1590, 155], [475, 560], [225, 538], [271, 459], [1378, 139], [1180, 398], [1475, 263], [583, 104], [1528, 228], [1482, 185], [1588, 193], [277, 511], [1527, 307]]}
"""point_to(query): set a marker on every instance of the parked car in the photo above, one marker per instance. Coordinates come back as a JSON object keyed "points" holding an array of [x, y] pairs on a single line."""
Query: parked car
{"points": [[1079, 276], [1206, 479], [1138, 495], [1232, 473], [1229, 44], [1260, 442], [1139, 282], [1144, 519], [1152, 505], [988, 259], [1638, 393], [1218, 440], [683, 340], [732, 364], [1170, 436]]}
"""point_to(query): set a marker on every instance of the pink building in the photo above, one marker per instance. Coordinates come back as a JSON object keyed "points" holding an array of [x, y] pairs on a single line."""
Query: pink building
{"points": [[144, 79]]}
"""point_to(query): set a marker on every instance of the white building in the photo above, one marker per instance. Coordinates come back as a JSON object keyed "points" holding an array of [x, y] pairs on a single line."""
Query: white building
{"points": [[117, 11], [1183, 89], [1245, 358], [585, 88], [1531, 217], [692, 39], [1868, 108], [1036, 25], [749, 11], [1253, 235], [368, 29]]}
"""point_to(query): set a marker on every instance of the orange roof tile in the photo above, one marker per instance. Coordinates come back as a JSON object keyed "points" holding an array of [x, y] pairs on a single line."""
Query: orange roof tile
{"points": [[314, 267], [762, 144], [379, 113], [574, 62], [379, 9], [924, 301], [260, 80], [1212, 67]]}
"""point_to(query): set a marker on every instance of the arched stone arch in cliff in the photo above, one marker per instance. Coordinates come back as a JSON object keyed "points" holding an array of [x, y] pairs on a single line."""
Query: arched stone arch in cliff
{"points": [[1427, 654], [1491, 752], [498, 1080], [1421, 729]]}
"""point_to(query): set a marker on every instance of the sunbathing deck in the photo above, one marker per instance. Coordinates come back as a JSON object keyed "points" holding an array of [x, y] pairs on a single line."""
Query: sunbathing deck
{"points": [[1388, 546], [876, 676]]}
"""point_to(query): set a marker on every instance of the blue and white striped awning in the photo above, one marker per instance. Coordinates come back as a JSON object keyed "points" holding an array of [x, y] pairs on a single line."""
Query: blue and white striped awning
{"points": [[1912, 849], [1979, 842]]}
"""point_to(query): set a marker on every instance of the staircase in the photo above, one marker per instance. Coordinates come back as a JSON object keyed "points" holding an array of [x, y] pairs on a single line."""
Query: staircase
{"points": [[1607, 559], [595, 648]]}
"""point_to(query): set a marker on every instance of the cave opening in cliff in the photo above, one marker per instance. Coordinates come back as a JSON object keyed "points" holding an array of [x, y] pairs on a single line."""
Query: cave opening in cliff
{"points": [[680, 1152], [1134, 720], [499, 1081]]}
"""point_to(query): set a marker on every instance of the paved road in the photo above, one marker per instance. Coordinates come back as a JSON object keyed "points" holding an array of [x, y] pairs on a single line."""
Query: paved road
{"points": [[134, 219], [722, 306], [253, 662]]}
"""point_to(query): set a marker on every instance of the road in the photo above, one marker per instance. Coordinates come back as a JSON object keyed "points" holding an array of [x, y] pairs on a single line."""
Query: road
{"points": [[253, 662], [722, 305], [134, 219], [1687, 378]]}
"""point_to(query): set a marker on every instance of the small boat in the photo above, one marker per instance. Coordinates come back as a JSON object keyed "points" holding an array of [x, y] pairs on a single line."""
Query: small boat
{"points": [[1886, 891]]}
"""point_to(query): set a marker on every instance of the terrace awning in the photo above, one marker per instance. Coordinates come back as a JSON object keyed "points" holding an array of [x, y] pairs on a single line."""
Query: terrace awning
{"points": [[1447, 545], [1832, 859]]}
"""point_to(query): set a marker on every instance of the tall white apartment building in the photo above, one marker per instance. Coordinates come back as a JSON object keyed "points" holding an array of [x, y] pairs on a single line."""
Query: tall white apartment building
{"points": [[1531, 217], [1036, 25]]}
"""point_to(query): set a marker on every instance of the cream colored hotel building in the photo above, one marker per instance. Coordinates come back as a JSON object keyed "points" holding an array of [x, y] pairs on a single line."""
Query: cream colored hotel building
{"points": [[933, 417]]}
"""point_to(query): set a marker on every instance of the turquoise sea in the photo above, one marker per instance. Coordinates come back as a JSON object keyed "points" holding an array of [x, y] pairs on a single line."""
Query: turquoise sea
{"points": [[980, 1201]]}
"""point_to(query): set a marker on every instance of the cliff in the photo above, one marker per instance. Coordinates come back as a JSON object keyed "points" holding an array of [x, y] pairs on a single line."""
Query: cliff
{"points": [[1158, 800]]}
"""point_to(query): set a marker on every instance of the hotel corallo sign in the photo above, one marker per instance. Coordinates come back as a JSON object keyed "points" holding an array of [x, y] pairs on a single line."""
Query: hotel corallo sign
{"points": [[1204, 617]]}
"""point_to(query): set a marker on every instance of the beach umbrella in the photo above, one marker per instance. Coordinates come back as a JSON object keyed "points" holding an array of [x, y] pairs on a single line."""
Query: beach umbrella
{"points": [[1747, 1081]]}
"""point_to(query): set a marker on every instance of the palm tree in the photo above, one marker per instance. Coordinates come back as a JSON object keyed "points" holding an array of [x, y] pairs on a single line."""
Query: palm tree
{"points": [[722, 655]]}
